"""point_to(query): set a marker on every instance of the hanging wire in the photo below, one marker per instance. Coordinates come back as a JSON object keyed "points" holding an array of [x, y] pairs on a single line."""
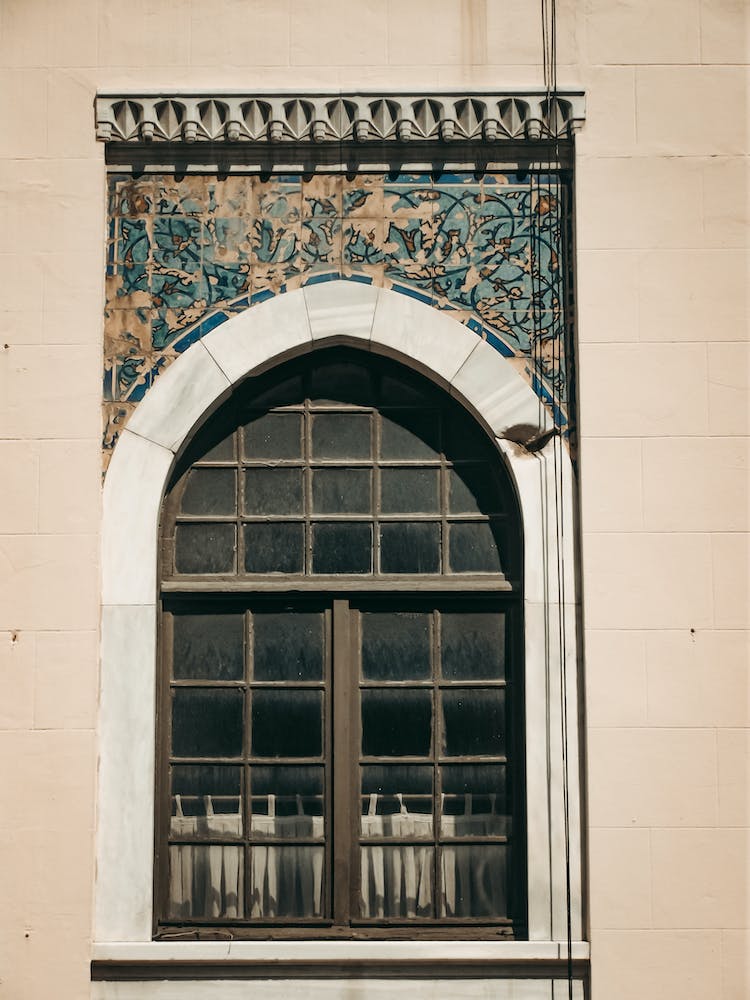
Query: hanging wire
{"points": [[558, 376]]}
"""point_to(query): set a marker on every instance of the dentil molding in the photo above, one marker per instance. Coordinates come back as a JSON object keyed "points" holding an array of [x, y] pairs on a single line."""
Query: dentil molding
{"points": [[351, 119]]}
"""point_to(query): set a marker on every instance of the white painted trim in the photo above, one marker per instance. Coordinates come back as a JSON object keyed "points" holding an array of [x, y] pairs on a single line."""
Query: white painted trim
{"points": [[490, 387]]}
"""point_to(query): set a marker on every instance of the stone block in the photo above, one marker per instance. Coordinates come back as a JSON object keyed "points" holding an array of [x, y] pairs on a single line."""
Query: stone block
{"points": [[611, 486], [604, 277], [729, 388], [636, 31], [65, 680], [652, 777], [616, 691], [69, 486], [642, 203], [731, 579], [647, 580], [692, 295], [620, 878], [733, 747], [259, 35], [695, 484], [155, 34], [691, 110], [356, 32], [697, 678], [643, 391], [610, 110], [726, 206], [19, 497], [724, 34], [23, 112], [17, 658], [697, 880]]}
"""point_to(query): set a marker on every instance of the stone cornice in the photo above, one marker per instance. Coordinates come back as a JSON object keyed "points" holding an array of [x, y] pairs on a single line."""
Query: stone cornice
{"points": [[336, 118]]}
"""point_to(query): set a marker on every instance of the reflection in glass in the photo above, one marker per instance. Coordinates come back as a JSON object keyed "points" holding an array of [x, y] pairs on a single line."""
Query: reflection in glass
{"points": [[274, 435], [287, 646], [474, 547], [409, 491], [473, 721], [395, 646], [287, 723], [341, 383], [341, 435], [206, 722], [396, 722], [342, 548], [409, 547], [475, 800], [396, 881], [204, 548], [206, 880], [274, 548], [205, 793], [473, 646], [396, 801], [341, 491], [472, 490], [210, 491], [286, 881], [208, 647], [409, 434], [286, 802], [221, 452], [273, 491], [474, 880]]}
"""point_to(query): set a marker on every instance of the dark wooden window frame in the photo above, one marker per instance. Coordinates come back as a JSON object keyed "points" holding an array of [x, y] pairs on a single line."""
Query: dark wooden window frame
{"points": [[342, 597]]}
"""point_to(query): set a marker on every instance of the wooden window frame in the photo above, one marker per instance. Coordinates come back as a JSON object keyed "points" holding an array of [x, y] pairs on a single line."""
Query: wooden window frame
{"points": [[343, 594]]}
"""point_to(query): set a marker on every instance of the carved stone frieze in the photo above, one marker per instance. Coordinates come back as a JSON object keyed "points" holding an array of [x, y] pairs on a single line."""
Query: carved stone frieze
{"points": [[337, 118]]}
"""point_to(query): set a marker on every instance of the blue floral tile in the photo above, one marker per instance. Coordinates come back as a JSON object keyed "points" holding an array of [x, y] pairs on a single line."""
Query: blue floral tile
{"points": [[178, 243]]}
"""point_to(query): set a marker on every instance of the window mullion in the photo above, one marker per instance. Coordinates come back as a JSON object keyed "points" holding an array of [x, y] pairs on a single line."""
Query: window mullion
{"points": [[343, 759]]}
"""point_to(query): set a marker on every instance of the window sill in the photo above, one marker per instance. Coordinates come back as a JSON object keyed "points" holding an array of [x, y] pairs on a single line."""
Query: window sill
{"points": [[311, 959]]}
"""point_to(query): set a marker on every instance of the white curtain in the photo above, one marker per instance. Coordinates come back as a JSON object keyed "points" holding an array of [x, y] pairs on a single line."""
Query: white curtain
{"points": [[397, 880], [206, 880]]}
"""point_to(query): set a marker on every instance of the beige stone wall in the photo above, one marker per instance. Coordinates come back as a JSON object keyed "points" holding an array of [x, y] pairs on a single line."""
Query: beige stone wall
{"points": [[661, 202]]}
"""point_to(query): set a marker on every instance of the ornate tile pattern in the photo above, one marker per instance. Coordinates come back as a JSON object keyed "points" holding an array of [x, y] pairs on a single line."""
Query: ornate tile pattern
{"points": [[186, 254]]}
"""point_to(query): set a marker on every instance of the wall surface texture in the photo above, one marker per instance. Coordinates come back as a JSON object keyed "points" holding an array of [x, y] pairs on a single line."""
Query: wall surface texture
{"points": [[661, 200]]}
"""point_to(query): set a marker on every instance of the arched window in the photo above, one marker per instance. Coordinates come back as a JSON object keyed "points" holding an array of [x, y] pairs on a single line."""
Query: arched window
{"points": [[340, 714]]}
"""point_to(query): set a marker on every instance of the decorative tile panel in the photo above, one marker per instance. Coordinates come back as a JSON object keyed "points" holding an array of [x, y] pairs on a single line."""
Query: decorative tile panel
{"points": [[184, 255]]}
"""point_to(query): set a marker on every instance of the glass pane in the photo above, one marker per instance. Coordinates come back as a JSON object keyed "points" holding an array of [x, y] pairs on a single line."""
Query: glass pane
{"points": [[286, 881], [341, 435], [204, 548], [410, 434], [464, 439], [208, 647], [274, 435], [473, 646], [396, 723], [206, 722], [341, 491], [396, 801], [409, 491], [474, 880], [341, 383], [273, 491], [474, 548], [274, 548], [210, 491], [287, 646], [206, 801], [409, 547], [342, 548], [221, 452], [472, 490], [397, 881], [206, 881], [287, 723], [473, 721], [286, 802], [475, 800], [286, 393], [395, 646], [396, 391]]}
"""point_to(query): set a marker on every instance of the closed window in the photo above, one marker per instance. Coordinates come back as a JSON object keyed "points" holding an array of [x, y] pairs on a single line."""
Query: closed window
{"points": [[341, 688]]}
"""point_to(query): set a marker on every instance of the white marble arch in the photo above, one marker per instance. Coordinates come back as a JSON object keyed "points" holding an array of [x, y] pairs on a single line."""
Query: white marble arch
{"points": [[488, 385]]}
